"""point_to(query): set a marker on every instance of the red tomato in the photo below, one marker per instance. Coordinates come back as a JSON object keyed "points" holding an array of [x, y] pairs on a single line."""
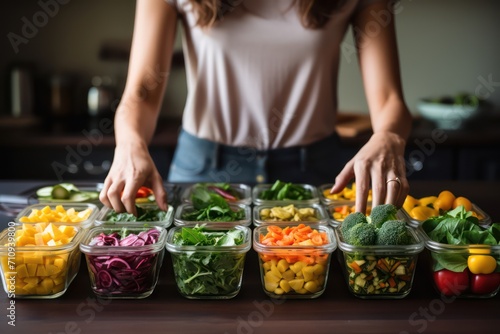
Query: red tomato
{"points": [[451, 283], [483, 284], [143, 192]]}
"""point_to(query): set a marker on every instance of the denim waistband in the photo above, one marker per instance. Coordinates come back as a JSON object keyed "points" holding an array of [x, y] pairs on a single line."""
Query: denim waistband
{"points": [[315, 148]]}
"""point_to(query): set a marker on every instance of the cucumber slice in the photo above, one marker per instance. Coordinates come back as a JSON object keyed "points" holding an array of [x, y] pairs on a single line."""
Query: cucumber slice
{"points": [[79, 197], [44, 192], [91, 194], [69, 186], [60, 192]]}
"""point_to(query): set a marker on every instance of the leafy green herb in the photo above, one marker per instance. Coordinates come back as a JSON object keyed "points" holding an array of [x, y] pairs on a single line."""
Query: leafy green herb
{"points": [[208, 273], [458, 227], [286, 191], [143, 215], [209, 206]]}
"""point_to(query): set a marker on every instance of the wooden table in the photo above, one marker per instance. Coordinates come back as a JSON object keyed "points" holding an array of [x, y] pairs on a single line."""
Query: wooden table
{"points": [[251, 311]]}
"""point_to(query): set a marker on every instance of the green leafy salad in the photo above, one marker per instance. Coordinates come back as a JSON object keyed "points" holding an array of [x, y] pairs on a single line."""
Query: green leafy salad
{"points": [[209, 206], [143, 215], [212, 272]]}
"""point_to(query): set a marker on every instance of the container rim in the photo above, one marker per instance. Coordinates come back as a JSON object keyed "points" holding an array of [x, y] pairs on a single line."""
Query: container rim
{"points": [[320, 210], [326, 248], [4, 244], [95, 249], [439, 247], [77, 206], [261, 187], [101, 217], [243, 248], [178, 221], [245, 189]]}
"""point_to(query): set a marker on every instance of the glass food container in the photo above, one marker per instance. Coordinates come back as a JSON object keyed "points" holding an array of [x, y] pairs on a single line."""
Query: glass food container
{"points": [[42, 271], [291, 213], [346, 196], [484, 219], [379, 272], [260, 188], [208, 261], [464, 271], [78, 214], [148, 215], [241, 192], [294, 271], [187, 208], [124, 261]]}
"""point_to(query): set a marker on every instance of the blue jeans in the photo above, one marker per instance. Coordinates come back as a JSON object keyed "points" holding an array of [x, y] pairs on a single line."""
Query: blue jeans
{"points": [[200, 160]]}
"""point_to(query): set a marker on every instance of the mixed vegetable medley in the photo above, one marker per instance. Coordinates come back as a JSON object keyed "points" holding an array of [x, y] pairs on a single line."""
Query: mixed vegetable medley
{"points": [[370, 272]]}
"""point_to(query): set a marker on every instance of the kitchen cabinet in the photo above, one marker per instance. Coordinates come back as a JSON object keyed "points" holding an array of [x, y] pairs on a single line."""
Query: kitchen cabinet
{"points": [[479, 163], [63, 163], [431, 154]]}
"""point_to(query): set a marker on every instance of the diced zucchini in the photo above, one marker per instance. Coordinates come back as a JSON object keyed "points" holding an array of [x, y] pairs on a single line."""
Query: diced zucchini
{"points": [[400, 270], [360, 281], [360, 262]]}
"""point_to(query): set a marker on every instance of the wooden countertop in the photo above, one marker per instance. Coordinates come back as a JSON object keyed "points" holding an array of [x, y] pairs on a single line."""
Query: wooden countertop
{"points": [[251, 311]]}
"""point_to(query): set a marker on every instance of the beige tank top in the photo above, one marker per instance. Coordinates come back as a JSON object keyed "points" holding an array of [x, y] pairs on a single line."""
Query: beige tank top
{"points": [[258, 78]]}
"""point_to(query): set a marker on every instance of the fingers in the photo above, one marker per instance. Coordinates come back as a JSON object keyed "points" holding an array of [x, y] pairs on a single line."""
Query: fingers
{"points": [[362, 175], [343, 178], [159, 191]]}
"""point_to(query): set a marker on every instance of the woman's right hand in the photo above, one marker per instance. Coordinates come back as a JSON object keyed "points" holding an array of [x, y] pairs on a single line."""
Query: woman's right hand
{"points": [[132, 168]]}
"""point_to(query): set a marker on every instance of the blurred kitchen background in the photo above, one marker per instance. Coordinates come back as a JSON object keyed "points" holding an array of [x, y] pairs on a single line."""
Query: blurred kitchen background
{"points": [[64, 63]]}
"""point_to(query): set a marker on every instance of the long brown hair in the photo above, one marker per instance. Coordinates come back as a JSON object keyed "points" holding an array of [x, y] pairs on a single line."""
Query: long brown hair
{"points": [[314, 14]]}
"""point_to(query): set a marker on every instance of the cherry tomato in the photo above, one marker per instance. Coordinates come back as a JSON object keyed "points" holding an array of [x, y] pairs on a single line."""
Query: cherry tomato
{"points": [[143, 192], [451, 283], [483, 284]]}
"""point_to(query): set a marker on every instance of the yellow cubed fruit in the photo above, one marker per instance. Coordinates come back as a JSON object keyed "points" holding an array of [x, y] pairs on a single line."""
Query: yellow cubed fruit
{"points": [[308, 273], [33, 258], [274, 270], [32, 280], [270, 277], [41, 271], [58, 288], [31, 269], [296, 284], [22, 271], [288, 275], [285, 286], [282, 265]]}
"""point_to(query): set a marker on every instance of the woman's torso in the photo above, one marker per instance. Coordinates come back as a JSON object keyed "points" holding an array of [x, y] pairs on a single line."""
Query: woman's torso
{"points": [[259, 78]]}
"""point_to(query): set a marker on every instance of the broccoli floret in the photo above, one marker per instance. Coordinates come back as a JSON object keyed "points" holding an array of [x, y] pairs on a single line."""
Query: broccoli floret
{"points": [[382, 213], [350, 221], [394, 232], [362, 235]]}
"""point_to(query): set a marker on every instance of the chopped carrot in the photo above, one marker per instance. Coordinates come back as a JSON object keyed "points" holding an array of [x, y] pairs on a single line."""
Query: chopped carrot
{"points": [[293, 235], [355, 267], [392, 282]]}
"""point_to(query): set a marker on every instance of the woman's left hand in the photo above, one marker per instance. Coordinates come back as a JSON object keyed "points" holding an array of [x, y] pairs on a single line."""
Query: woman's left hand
{"points": [[379, 163]]}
